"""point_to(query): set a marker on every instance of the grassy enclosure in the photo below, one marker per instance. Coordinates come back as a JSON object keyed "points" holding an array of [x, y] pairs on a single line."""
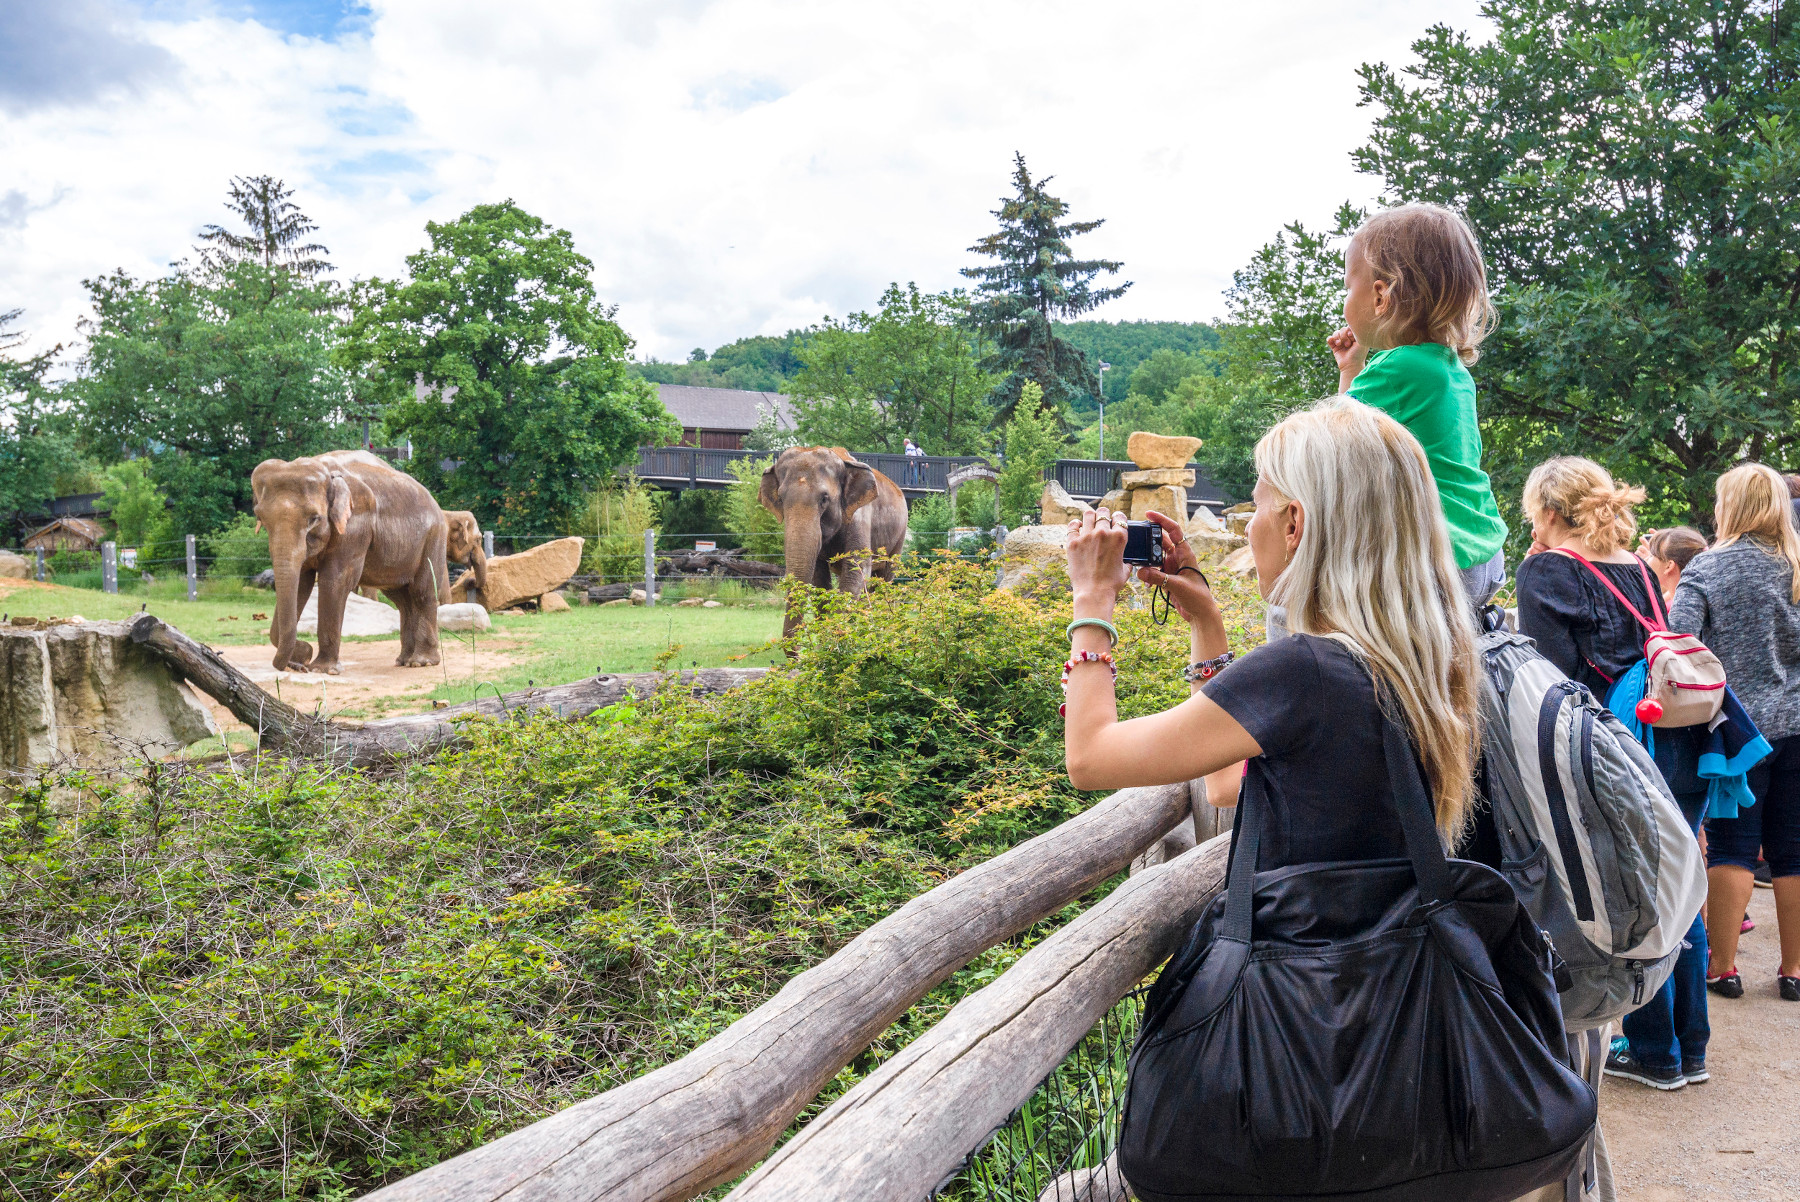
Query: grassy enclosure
{"points": [[275, 980]]}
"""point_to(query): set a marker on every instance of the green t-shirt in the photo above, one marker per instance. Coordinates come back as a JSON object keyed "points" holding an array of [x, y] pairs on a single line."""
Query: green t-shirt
{"points": [[1426, 388]]}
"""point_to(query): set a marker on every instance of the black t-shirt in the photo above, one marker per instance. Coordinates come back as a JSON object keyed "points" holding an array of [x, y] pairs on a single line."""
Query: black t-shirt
{"points": [[1577, 624], [1309, 703]]}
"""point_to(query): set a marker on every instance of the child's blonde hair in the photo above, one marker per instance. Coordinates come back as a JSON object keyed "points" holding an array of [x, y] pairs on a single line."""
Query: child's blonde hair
{"points": [[1432, 265], [1584, 494], [1751, 501]]}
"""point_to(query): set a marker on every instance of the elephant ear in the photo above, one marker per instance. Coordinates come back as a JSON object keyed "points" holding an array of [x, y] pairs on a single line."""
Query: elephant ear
{"points": [[769, 493], [859, 486], [337, 502]]}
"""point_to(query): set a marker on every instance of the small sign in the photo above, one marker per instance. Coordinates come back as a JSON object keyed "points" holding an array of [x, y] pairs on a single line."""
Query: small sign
{"points": [[128, 557], [705, 544]]}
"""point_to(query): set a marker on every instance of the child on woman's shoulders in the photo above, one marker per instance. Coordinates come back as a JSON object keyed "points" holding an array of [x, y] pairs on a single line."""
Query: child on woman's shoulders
{"points": [[1416, 311]]}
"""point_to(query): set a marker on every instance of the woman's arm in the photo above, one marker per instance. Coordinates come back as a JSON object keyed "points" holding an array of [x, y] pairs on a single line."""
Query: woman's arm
{"points": [[1197, 737], [1687, 608], [1542, 611]]}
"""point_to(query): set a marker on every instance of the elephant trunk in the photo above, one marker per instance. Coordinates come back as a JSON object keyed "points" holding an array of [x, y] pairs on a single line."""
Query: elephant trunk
{"points": [[287, 606], [478, 567], [800, 547]]}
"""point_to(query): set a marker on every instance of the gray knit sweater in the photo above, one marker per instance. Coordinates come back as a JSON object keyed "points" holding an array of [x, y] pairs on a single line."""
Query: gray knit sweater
{"points": [[1739, 601]]}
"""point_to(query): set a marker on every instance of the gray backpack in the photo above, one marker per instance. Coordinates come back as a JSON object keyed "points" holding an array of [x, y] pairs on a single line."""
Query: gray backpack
{"points": [[1590, 836]]}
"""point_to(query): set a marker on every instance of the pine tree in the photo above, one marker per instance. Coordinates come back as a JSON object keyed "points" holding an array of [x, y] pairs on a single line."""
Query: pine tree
{"points": [[276, 227], [1036, 280]]}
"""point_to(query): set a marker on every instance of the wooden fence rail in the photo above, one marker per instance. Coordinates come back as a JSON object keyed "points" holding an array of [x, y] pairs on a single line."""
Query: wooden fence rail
{"points": [[704, 1119]]}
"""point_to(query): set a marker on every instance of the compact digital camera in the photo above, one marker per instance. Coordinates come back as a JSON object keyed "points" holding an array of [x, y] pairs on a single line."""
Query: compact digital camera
{"points": [[1143, 544]]}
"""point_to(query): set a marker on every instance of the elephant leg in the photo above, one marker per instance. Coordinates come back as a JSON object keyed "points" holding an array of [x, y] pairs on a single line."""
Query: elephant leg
{"points": [[853, 571], [418, 618], [335, 585], [402, 599]]}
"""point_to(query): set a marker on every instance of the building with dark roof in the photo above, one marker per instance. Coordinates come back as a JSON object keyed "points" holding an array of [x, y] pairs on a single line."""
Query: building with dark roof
{"points": [[718, 418]]}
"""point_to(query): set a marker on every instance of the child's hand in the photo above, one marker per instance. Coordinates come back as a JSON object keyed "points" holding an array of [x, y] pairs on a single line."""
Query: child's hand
{"points": [[1349, 353]]}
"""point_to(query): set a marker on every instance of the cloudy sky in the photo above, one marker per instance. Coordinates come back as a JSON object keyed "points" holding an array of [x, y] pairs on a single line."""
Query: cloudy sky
{"points": [[732, 167]]}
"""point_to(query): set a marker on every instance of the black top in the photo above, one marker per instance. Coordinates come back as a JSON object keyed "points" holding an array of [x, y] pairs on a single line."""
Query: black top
{"points": [[1577, 624], [1309, 703]]}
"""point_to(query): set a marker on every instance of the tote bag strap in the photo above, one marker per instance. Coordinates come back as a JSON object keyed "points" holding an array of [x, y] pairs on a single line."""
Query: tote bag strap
{"points": [[1418, 826]]}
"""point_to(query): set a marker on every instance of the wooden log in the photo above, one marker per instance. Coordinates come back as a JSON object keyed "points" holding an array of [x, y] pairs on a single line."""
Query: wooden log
{"points": [[704, 1119], [282, 727], [1102, 1183], [909, 1125]]}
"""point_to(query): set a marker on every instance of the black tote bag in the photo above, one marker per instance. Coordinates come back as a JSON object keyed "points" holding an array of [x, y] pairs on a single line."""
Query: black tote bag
{"points": [[1386, 1030]]}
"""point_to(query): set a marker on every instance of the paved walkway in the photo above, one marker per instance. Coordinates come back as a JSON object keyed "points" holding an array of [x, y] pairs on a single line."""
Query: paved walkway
{"points": [[1738, 1135]]}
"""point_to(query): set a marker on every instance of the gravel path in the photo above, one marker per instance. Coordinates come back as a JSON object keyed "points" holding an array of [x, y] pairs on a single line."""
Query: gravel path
{"points": [[1738, 1135]]}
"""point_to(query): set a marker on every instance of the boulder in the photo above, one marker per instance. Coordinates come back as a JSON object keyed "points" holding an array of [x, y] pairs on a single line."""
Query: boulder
{"points": [[1118, 500], [1058, 507], [619, 601], [638, 596], [1242, 507], [263, 579], [1202, 519], [1160, 450], [600, 593], [84, 689], [1169, 500], [14, 567], [363, 618], [522, 577], [691, 602], [712, 605], [1238, 523], [1212, 544], [552, 603], [1156, 477], [1240, 562], [1028, 549], [465, 615]]}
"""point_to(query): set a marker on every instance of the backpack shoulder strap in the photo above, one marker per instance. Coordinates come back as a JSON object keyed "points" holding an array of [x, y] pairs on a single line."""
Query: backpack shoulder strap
{"points": [[1613, 589]]}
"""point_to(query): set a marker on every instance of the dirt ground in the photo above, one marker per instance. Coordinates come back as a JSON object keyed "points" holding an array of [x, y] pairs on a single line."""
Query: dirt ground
{"points": [[371, 685], [1737, 1135]]}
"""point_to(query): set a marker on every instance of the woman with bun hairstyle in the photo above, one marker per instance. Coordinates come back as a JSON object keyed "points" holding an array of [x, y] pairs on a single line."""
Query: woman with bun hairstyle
{"points": [[1579, 512], [1743, 599]]}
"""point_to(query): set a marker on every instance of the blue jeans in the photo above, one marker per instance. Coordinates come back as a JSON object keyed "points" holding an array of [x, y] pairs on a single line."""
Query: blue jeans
{"points": [[1672, 1027]]}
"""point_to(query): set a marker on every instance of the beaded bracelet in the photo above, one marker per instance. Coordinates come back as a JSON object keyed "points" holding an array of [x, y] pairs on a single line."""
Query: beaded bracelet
{"points": [[1206, 669], [1084, 657]]}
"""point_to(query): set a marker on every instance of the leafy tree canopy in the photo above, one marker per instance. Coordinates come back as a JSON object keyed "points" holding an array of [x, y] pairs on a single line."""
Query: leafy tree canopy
{"points": [[762, 363], [275, 227], [1633, 171], [1126, 345], [494, 357], [908, 370], [1034, 440], [1035, 279], [35, 442]]}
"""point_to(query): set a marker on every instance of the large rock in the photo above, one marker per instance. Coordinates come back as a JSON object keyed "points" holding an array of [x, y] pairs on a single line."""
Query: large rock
{"points": [[1058, 507], [522, 577], [1156, 477], [14, 567], [1028, 549], [551, 603], [1202, 519], [363, 618], [1160, 450], [463, 617], [1118, 500], [84, 689], [1169, 500]]}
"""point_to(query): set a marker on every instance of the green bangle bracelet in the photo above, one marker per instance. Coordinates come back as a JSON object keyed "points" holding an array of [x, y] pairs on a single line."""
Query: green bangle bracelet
{"points": [[1112, 632]]}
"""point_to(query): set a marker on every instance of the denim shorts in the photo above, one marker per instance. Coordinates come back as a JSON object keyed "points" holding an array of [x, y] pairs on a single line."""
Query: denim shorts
{"points": [[1772, 825]]}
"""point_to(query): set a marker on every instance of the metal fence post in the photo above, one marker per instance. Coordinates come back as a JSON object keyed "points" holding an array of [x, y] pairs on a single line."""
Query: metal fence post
{"points": [[649, 567], [40, 563], [193, 570], [487, 543], [109, 567]]}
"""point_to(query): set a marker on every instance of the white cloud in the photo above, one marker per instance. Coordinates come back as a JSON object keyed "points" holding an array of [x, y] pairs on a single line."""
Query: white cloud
{"points": [[732, 167]]}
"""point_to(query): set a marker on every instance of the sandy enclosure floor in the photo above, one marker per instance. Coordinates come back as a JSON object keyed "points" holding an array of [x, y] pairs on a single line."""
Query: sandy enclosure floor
{"points": [[370, 685], [1738, 1135]]}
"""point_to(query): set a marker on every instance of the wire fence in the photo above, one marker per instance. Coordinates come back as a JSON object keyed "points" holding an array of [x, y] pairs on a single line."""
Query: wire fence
{"points": [[1062, 1144]]}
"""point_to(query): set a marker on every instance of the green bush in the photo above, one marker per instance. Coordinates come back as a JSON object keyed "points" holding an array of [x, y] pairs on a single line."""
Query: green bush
{"points": [[758, 530], [928, 519], [1033, 441], [613, 522], [238, 551], [285, 980]]}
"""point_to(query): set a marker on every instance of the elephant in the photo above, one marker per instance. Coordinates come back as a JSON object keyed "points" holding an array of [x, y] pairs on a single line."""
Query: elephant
{"points": [[831, 505], [464, 545], [344, 519]]}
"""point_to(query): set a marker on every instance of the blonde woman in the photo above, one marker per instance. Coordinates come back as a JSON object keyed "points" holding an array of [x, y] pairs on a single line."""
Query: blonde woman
{"points": [[1743, 599]]}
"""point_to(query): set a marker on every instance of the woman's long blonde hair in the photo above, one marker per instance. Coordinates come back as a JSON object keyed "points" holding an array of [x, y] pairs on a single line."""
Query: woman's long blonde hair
{"points": [[1374, 569], [1585, 495], [1751, 501]]}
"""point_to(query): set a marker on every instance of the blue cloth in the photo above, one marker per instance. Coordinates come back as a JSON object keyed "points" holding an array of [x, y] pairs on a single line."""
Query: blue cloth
{"points": [[1731, 746]]}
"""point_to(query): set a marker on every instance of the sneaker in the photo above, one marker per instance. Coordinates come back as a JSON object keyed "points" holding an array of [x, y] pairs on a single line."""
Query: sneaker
{"points": [[1762, 876], [1727, 984], [1749, 924], [1790, 988], [1621, 1063], [1695, 1071]]}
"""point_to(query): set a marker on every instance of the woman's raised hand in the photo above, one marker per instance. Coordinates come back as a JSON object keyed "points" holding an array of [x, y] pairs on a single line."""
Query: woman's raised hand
{"points": [[1097, 568], [1187, 591]]}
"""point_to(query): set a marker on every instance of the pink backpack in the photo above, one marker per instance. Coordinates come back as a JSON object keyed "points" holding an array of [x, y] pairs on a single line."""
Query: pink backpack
{"points": [[1685, 682]]}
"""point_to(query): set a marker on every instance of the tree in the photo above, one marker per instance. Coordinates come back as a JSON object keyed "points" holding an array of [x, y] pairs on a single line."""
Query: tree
{"points": [[1633, 172], [1033, 440], [908, 370], [1036, 278], [209, 372], [136, 506], [757, 364], [35, 443], [508, 375], [1124, 345], [276, 226]]}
